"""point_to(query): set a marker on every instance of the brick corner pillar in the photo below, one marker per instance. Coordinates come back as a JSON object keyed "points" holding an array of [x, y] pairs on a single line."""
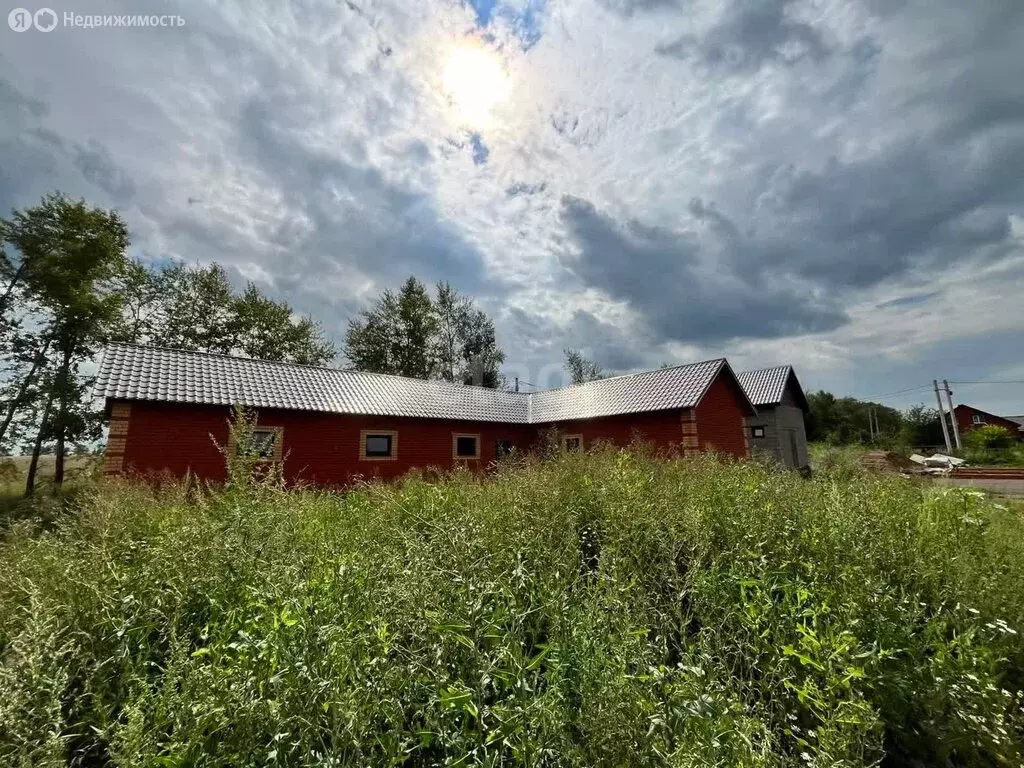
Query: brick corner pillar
{"points": [[117, 439], [690, 444]]}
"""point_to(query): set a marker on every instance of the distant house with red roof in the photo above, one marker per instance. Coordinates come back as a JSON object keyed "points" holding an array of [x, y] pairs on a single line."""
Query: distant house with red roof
{"points": [[968, 417]]}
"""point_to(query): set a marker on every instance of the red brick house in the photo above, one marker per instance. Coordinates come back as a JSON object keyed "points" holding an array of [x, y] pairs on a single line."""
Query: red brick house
{"points": [[169, 410], [968, 417]]}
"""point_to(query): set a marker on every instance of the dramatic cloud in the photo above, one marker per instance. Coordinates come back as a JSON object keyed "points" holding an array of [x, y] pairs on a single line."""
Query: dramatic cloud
{"points": [[831, 183]]}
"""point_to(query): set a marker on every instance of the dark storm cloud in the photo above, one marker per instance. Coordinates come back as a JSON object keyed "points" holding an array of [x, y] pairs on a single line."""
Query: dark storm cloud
{"points": [[98, 168], [749, 33], [921, 206], [36, 160], [660, 273]]}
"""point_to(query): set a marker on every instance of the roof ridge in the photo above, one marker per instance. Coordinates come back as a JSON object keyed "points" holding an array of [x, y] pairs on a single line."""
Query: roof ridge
{"points": [[263, 361], [634, 373], [762, 370]]}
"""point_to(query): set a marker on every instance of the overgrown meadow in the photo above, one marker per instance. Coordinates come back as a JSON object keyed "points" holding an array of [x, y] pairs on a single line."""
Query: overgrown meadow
{"points": [[604, 609]]}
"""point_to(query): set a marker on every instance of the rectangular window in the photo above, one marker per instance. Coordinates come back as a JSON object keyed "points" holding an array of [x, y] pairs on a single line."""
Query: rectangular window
{"points": [[264, 444], [978, 419], [757, 431], [378, 445], [466, 446], [572, 443], [503, 448]]}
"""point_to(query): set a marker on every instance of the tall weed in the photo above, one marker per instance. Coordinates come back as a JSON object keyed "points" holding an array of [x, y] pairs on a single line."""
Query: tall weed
{"points": [[600, 609]]}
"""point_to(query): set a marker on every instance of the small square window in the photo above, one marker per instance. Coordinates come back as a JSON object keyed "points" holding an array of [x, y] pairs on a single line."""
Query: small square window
{"points": [[378, 445], [757, 431], [263, 444], [466, 446], [503, 448], [573, 443]]}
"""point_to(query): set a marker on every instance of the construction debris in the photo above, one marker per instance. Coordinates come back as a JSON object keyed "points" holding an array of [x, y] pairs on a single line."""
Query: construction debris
{"points": [[943, 461], [890, 461]]}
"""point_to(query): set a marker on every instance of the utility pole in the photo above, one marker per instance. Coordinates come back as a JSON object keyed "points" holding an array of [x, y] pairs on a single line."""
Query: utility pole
{"points": [[517, 383], [942, 415], [952, 414], [871, 422]]}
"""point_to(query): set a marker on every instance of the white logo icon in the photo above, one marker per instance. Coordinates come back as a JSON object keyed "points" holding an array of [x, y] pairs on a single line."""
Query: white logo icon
{"points": [[45, 20], [19, 20]]}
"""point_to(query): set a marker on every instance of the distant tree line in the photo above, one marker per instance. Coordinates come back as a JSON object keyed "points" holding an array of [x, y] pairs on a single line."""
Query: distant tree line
{"points": [[68, 287], [847, 421]]}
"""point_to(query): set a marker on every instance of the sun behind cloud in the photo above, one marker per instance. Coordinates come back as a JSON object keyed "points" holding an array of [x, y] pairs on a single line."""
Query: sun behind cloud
{"points": [[475, 81]]}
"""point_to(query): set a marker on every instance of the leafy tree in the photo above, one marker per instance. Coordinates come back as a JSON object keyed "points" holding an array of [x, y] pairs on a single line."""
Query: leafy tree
{"points": [[581, 369], [921, 426], [195, 308], [67, 287], [70, 255], [398, 335], [467, 347], [265, 329], [481, 355], [846, 420], [452, 318], [409, 334]]}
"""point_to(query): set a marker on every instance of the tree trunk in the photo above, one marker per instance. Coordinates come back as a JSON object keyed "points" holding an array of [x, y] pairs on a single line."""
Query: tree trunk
{"points": [[5, 299], [25, 384], [63, 375], [30, 481]]}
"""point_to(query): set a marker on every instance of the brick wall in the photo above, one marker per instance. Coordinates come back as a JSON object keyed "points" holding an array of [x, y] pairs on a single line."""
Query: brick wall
{"points": [[318, 448], [662, 429], [324, 448], [720, 418]]}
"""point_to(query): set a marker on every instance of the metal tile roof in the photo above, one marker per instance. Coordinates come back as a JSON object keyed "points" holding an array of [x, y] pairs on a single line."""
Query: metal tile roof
{"points": [[679, 387], [130, 372], [765, 387]]}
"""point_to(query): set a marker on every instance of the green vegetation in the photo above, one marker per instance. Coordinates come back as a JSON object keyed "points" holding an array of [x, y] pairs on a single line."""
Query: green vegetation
{"points": [[845, 421], [410, 333], [605, 609], [68, 286], [992, 444]]}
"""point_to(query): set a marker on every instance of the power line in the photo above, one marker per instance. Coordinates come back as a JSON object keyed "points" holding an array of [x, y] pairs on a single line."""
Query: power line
{"points": [[986, 382], [903, 391]]}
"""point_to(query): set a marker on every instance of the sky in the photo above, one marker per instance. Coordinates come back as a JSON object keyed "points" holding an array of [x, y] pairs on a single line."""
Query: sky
{"points": [[834, 185]]}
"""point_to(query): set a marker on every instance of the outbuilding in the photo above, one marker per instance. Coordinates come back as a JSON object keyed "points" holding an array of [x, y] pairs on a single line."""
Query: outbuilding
{"points": [[169, 411], [778, 429]]}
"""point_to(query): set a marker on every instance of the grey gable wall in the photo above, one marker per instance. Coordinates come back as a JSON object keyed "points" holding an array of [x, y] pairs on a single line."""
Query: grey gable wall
{"points": [[784, 431]]}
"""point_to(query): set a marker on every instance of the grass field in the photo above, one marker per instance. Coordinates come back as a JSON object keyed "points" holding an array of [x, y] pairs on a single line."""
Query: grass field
{"points": [[604, 609]]}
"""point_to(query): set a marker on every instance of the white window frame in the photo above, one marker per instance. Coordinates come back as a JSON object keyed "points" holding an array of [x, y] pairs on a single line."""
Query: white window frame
{"points": [[456, 436]]}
